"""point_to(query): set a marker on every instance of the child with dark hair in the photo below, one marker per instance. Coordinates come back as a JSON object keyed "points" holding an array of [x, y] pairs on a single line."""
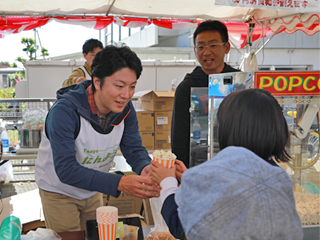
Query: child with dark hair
{"points": [[239, 193], [89, 50]]}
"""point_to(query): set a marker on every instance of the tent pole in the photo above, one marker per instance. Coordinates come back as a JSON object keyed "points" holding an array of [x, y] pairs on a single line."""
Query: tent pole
{"points": [[110, 7], [236, 48], [265, 43], [249, 36]]}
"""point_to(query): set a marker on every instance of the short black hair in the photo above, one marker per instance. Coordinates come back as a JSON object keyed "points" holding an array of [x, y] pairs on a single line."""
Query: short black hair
{"points": [[113, 58], [212, 25], [90, 45], [252, 118]]}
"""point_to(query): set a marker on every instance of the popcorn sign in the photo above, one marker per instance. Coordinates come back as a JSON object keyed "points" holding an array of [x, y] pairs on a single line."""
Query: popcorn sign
{"points": [[288, 83]]}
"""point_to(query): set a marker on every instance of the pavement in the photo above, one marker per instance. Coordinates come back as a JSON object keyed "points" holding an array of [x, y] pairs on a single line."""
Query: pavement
{"points": [[13, 188], [23, 180]]}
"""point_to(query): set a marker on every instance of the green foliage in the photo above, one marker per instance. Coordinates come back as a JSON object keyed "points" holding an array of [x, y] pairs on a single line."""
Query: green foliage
{"points": [[16, 77], [5, 63], [13, 65], [31, 47], [7, 93], [44, 52], [21, 59]]}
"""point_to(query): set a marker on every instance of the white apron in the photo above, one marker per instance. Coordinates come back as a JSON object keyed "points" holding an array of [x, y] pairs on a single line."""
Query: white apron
{"points": [[93, 150]]}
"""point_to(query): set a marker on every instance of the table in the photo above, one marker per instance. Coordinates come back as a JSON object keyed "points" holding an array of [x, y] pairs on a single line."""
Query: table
{"points": [[76, 235], [81, 235], [12, 156]]}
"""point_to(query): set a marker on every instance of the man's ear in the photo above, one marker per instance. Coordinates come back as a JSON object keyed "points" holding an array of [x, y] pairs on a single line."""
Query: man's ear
{"points": [[96, 82], [227, 48], [84, 56]]}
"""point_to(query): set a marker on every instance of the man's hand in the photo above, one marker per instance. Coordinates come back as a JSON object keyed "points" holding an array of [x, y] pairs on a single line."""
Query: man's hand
{"points": [[139, 186], [160, 172], [80, 79], [146, 171], [180, 169]]}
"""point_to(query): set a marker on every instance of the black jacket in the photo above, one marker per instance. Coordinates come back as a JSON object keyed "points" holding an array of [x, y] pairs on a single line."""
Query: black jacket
{"points": [[180, 125]]}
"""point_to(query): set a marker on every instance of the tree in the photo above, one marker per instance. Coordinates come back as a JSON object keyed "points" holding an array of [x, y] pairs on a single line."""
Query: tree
{"points": [[7, 64], [13, 65], [31, 47], [21, 59], [16, 77], [44, 52]]}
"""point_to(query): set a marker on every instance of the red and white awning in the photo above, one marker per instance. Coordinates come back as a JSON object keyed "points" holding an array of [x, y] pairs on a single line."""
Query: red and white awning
{"points": [[238, 31], [307, 23]]}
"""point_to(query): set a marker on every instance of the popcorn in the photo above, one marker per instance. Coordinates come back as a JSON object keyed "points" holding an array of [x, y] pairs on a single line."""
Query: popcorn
{"points": [[308, 207], [164, 155], [166, 159]]}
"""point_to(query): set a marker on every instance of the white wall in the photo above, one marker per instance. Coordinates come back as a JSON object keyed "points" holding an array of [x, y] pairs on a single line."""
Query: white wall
{"points": [[284, 57], [44, 78]]}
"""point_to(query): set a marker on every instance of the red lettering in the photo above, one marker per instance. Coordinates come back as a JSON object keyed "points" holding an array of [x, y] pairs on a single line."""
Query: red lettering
{"points": [[253, 2], [304, 4], [297, 3], [290, 3], [260, 2], [275, 3], [268, 2], [283, 3], [235, 1]]}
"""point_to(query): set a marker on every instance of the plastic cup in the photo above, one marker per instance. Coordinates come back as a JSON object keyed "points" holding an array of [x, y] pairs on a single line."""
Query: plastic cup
{"points": [[168, 163], [127, 232], [107, 218]]}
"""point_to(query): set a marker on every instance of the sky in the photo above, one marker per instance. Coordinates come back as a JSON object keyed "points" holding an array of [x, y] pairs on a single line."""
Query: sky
{"points": [[57, 38]]}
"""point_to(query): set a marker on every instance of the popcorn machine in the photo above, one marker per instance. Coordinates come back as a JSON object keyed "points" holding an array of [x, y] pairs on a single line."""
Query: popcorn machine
{"points": [[298, 93]]}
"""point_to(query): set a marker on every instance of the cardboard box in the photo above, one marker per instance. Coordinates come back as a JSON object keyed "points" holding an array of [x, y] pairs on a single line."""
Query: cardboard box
{"points": [[125, 203], [156, 100], [145, 120], [162, 120], [147, 139], [162, 140]]}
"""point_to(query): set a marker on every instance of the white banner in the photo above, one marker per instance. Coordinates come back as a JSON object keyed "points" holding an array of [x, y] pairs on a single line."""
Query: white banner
{"points": [[301, 6]]}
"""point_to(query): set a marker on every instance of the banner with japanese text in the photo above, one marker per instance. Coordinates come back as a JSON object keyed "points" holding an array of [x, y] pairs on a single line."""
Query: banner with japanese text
{"points": [[294, 83], [301, 6]]}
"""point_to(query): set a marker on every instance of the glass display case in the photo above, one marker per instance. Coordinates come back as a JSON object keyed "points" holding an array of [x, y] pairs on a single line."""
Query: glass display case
{"points": [[198, 126], [298, 94]]}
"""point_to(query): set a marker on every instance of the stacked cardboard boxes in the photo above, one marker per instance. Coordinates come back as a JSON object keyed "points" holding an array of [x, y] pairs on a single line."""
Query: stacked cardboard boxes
{"points": [[146, 127], [160, 103]]}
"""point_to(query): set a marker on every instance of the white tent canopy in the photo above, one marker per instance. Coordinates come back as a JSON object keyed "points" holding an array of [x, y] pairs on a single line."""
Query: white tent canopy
{"points": [[272, 16], [179, 9], [291, 15]]}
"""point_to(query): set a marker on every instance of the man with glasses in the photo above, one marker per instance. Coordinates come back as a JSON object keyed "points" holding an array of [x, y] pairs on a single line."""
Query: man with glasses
{"points": [[211, 44]]}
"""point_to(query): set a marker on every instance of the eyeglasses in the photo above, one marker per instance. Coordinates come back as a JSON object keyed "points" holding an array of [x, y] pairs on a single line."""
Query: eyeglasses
{"points": [[211, 47]]}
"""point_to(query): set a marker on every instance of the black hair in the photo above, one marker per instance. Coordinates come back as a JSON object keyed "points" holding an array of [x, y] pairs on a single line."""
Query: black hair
{"points": [[113, 58], [90, 45], [252, 118], [212, 25]]}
